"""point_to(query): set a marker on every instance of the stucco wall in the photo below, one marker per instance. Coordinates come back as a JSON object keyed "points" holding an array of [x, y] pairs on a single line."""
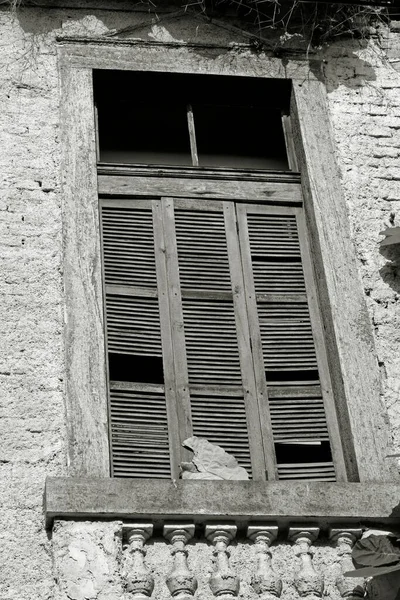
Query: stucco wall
{"points": [[364, 99], [363, 82], [92, 563]]}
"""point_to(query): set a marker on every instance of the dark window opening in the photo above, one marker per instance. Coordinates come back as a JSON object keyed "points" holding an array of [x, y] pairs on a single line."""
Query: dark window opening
{"points": [[142, 133], [137, 369], [239, 137], [276, 259], [292, 376], [170, 118], [297, 453]]}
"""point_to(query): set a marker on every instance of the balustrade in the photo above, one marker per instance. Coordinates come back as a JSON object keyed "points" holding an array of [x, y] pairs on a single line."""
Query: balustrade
{"points": [[266, 562]]}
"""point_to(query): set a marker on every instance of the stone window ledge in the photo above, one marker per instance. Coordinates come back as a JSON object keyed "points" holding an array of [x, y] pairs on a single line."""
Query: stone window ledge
{"points": [[241, 501]]}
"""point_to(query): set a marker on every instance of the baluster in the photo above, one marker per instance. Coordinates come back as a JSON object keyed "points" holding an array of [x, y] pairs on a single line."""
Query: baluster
{"points": [[349, 587], [181, 582], [224, 583], [139, 580], [265, 581], [308, 582]]}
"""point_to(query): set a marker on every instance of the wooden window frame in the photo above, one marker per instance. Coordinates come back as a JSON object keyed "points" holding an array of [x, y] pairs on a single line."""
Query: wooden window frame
{"points": [[352, 360]]}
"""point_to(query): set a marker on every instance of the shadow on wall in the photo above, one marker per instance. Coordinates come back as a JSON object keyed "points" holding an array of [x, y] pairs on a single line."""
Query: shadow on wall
{"points": [[341, 64], [336, 64], [391, 270]]}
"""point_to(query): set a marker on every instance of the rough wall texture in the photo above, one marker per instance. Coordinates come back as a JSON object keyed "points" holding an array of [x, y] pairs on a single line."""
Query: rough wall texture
{"points": [[364, 97], [92, 563], [363, 82]]}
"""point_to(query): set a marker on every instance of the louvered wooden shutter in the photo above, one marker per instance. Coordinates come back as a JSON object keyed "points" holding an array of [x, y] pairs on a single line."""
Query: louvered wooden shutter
{"points": [[222, 294], [138, 412], [222, 399], [281, 297]]}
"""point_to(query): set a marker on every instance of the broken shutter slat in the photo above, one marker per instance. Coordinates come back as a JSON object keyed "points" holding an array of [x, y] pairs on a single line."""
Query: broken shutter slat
{"points": [[133, 325], [222, 420]]}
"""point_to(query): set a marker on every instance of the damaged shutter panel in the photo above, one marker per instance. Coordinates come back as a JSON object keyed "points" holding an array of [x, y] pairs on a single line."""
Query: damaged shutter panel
{"points": [[139, 424], [279, 283], [213, 331], [217, 365]]}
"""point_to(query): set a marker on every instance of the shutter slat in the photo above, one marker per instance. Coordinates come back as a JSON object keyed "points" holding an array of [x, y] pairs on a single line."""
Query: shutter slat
{"points": [[314, 471], [286, 335], [215, 356], [128, 246], [133, 325], [139, 432], [214, 418], [275, 238], [202, 250]]}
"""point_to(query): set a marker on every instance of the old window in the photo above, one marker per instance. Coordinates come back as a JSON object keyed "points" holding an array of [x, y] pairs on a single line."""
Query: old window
{"points": [[213, 328], [317, 190]]}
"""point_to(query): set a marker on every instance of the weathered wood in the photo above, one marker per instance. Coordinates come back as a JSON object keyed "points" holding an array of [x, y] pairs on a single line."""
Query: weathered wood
{"points": [[322, 360], [282, 298], [109, 5], [281, 193], [192, 136], [96, 125], [290, 149], [123, 290], [166, 337], [260, 461], [256, 347], [180, 367], [86, 389], [141, 387], [351, 352], [206, 501], [139, 55], [216, 173], [194, 204]]}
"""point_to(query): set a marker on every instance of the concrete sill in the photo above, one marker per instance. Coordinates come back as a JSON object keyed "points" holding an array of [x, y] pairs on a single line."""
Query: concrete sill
{"points": [[241, 501]]}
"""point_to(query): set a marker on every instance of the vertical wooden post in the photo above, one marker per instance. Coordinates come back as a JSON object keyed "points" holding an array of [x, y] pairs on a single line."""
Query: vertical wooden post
{"points": [[86, 385], [351, 352]]}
